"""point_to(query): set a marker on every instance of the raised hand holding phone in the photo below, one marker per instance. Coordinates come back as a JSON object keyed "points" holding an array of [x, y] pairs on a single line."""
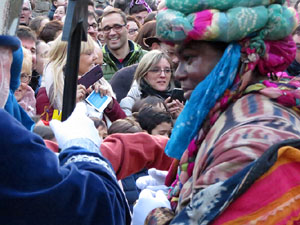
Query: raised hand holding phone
{"points": [[92, 76]]}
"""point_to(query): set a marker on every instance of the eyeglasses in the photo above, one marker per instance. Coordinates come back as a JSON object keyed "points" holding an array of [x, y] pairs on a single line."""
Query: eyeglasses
{"points": [[132, 31], [115, 27], [158, 71], [93, 25], [25, 78]]}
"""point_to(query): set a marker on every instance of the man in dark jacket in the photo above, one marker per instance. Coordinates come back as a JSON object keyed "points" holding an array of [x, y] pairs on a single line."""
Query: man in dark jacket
{"points": [[118, 52]]}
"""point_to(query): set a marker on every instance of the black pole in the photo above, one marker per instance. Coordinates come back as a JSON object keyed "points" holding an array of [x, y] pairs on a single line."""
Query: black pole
{"points": [[71, 72]]}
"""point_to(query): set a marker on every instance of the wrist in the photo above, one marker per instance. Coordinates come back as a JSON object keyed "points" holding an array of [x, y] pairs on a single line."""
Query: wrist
{"points": [[83, 143]]}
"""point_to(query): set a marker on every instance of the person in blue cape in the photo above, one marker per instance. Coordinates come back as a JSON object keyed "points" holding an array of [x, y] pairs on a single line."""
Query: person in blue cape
{"points": [[12, 106], [37, 187]]}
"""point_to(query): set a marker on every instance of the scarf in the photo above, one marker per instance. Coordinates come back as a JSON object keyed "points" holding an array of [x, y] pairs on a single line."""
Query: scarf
{"points": [[147, 90], [203, 98]]}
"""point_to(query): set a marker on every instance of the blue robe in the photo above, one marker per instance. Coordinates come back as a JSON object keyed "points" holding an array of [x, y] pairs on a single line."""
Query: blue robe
{"points": [[38, 188]]}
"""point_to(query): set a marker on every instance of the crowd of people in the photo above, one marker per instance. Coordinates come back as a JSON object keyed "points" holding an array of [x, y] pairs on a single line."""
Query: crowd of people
{"points": [[147, 156]]}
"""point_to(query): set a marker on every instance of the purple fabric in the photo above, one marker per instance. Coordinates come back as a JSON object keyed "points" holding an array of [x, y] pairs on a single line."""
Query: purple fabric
{"points": [[139, 2]]}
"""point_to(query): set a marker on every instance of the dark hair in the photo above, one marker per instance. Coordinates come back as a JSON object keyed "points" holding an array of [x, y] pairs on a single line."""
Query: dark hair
{"points": [[150, 100], [132, 18], [98, 122], [35, 24], [297, 30], [44, 132], [151, 16], [149, 117], [111, 11], [123, 5], [127, 125], [90, 2], [147, 30], [91, 14], [49, 32], [99, 13], [25, 33], [137, 8]]}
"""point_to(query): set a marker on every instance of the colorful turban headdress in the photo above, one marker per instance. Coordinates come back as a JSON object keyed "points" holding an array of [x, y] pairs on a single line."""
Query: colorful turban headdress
{"points": [[259, 33]]}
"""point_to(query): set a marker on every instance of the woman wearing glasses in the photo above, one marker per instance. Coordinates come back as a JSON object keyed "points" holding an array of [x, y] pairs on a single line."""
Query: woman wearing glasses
{"points": [[25, 94], [153, 77], [133, 27]]}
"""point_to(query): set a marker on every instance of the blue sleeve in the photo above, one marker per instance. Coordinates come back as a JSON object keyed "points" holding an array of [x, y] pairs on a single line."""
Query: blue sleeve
{"points": [[37, 188]]}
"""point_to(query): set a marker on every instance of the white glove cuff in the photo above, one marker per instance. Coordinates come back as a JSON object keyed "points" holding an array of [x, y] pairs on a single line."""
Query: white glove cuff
{"points": [[83, 143]]}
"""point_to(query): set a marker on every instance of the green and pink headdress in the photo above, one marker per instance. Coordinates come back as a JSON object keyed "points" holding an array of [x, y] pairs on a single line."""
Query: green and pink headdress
{"points": [[259, 33]]}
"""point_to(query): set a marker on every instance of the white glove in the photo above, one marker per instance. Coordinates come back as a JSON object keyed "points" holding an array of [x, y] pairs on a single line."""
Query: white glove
{"points": [[155, 180], [77, 126], [148, 200]]}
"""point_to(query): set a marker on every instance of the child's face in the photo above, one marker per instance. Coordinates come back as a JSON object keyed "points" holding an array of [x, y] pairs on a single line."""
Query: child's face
{"points": [[163, 129]]}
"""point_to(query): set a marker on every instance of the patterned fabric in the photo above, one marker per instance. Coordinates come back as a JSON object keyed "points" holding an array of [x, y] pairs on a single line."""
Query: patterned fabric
{"points": [[240, 135], [191, 6], [267, 23], [278, 205], [202, 100]]}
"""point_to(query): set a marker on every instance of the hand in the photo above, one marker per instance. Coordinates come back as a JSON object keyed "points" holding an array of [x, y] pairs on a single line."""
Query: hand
{"points": [[81, 93], [155, 178], [77, 126], [174, 107], [104, 90], [148, 200], [21, 91]]}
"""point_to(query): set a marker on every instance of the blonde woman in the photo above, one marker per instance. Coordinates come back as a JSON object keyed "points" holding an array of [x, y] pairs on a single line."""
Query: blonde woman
{"points": [[53, 78], [153, 77], [25, 94]]}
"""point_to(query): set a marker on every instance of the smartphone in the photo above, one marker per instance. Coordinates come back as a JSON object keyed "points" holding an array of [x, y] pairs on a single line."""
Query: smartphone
{"points": [[177, 93], [90, 77]]}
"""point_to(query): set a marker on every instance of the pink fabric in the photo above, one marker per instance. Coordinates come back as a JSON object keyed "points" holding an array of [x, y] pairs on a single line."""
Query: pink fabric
{"points": [[284, 177], [279, 55], [202, 20]]}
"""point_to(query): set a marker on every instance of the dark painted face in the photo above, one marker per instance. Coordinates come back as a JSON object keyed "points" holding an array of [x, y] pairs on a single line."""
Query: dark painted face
{"points": [[196, 61]]}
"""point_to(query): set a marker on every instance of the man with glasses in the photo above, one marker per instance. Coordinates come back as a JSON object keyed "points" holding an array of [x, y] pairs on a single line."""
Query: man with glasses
{"points": [[118, 52], [93, 26]]}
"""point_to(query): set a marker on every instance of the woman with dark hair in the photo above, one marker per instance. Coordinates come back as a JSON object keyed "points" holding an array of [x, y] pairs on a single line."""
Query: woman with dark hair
{"points": [[133, 27], [38, 23], [236, 110], [147, 30], [51, 31]]}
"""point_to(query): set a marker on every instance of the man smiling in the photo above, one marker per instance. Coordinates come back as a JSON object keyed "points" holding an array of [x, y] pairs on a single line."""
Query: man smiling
{"points": [[118, 52]]}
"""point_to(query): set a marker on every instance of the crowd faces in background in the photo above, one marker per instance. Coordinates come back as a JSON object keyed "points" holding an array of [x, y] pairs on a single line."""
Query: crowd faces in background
{"points": [[26, 13], [28, 40], [92, 26], [133, 27], [118, 51], [60, 13], [38, 23], [25, 94], [153, 76], [51, 31]]}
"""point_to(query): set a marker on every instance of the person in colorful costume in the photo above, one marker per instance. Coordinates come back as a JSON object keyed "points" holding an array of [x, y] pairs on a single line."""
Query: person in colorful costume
{"points": [[238, 108]]}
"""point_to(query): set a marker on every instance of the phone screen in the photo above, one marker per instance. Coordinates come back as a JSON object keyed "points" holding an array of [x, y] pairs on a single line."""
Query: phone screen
{"points": [[177, 93]]}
